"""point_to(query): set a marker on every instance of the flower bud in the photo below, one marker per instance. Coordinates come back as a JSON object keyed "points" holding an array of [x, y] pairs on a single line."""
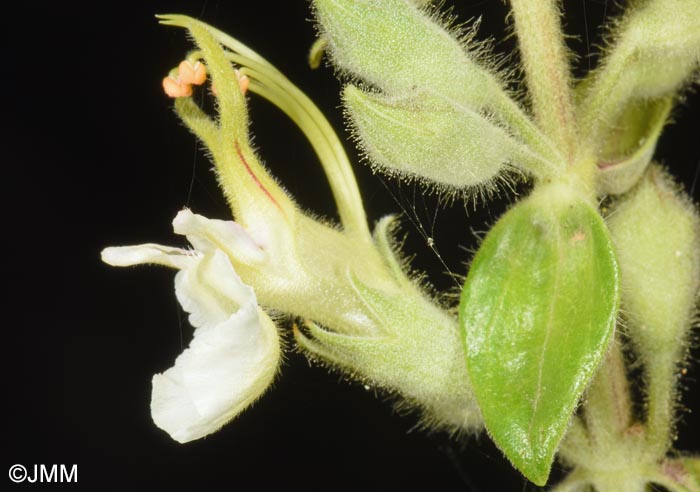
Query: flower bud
{"points": [[667, 30], [424, 137], [441, 92], [656, 231], [406, 49], [652, 30]]}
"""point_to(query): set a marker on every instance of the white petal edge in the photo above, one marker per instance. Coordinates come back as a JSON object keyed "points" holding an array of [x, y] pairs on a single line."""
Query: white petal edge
{"points": [[231, 360], [148, 253]]}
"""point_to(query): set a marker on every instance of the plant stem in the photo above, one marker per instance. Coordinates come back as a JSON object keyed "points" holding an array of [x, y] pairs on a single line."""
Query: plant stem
{"points": [[618, 483], [661, 398], [546, 65]]}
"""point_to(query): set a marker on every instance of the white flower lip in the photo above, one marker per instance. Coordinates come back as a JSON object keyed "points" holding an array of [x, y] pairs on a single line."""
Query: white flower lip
{"points": [[235, 352], [231, 360]]}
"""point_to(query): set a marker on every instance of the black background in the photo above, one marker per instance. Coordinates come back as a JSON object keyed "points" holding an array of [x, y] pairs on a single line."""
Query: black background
{"points": [[93, 156]]}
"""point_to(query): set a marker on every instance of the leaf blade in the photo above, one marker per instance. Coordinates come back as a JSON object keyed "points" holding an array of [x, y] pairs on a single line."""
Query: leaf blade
{"points": [[537, 311]]}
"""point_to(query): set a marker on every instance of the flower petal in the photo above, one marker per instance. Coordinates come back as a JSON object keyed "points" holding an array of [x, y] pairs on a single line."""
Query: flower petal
{"points": [[207, 235], [231, 360], [211, 290], [148, 253]]}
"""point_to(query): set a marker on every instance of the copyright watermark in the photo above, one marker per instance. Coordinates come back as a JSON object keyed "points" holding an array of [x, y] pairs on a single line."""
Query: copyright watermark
{"points": [[44, 473]]}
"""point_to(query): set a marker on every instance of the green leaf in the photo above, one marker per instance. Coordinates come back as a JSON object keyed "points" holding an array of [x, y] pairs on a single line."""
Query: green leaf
{"points": [[537, 311]]}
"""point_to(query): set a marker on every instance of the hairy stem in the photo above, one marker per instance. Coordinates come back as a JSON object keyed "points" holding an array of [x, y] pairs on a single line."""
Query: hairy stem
{"points": [[661, 401], [546, 65]]}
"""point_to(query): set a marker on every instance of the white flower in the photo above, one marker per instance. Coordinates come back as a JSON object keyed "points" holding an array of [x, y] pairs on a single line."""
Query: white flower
{"points": [[235, 351]]}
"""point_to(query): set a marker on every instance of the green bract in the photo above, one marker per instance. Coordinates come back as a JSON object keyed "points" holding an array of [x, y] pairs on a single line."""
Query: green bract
{"points": [[538, 308]]}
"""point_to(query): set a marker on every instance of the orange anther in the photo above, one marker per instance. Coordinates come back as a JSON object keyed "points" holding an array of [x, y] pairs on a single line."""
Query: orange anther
{"points": [[192, 74], [174, 87], [243, 82]]}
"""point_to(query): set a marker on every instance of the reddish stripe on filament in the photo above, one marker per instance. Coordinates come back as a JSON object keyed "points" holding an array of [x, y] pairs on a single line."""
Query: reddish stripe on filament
{"points": [[255, 178]]}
